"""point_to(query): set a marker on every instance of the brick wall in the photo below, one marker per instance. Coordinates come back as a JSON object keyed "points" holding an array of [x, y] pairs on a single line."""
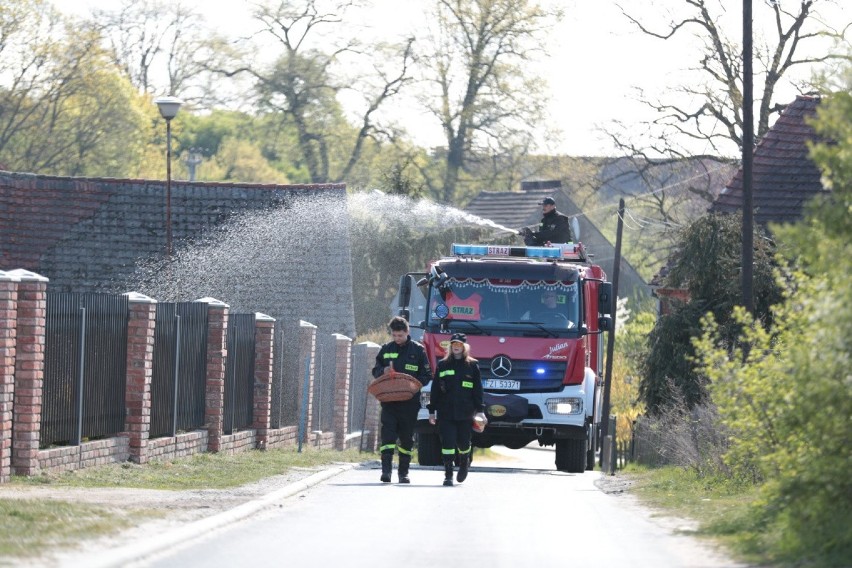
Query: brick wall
{"points": [[140, 355], [29, 371], [8, 333], [87, 235], [342, 376]]}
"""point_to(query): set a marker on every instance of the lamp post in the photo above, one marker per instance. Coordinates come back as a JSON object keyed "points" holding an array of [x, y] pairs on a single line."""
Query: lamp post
{"points": [[169, 107]]}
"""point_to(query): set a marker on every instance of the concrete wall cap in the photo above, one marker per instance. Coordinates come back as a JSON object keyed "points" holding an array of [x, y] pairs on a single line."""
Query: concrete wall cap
{"points": [[262, 317], [368, 344], [213, 302], [139, 298], [8, 277], [27, 276], [340, 336], [303, 323]]}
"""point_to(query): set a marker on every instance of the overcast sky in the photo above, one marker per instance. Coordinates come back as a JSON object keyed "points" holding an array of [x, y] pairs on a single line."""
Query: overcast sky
{"points": [[597, 59]]}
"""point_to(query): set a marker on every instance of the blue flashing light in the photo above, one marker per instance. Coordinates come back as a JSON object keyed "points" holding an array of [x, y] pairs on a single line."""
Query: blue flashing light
{"points": [[539, 371], [565, 251], [543, 252]]}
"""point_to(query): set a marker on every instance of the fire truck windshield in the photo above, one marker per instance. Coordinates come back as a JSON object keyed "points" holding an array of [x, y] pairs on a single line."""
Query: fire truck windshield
{"points": [[488, 304]]}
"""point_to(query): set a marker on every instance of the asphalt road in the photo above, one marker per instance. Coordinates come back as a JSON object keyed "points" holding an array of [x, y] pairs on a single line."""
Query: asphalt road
{"points": [[514, 513]]}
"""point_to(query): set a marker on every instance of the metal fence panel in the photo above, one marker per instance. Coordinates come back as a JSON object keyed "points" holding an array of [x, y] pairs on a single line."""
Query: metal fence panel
{"points": [[180, 364], [85, 375], [239, 373]]}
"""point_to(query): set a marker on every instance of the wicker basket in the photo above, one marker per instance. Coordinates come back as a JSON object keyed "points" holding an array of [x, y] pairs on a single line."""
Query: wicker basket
{"points": [[394, 387]]}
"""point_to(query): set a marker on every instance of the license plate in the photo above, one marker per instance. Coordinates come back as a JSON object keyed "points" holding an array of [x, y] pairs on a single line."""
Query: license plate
{"points": [[500, 384]]}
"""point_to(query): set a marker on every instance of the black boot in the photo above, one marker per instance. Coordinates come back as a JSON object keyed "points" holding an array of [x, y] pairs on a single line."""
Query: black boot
{"points": [[448, 471], [404, 462], [387, 467], [464, 462]]}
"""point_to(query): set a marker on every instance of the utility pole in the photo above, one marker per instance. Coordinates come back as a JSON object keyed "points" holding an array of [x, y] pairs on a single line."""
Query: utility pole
{"points": [[748, 155], [610, 340]]}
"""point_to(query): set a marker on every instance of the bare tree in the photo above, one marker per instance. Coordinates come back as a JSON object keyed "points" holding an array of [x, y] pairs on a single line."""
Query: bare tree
{"points": [[163, 47], [304, 82], [712, 111], [483, 96]]}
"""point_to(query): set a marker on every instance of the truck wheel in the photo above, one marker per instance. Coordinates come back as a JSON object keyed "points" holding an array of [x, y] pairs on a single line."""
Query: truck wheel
{"points": [[571, 455], [428, 449]]}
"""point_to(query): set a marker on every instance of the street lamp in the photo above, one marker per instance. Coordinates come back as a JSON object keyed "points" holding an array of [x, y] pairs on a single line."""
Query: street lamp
{"points": [[169, 107]]}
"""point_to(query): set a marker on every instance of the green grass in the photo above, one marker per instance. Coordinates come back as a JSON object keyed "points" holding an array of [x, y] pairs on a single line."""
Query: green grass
{"points": [[27, 526], [202, 471], [728, 512]]}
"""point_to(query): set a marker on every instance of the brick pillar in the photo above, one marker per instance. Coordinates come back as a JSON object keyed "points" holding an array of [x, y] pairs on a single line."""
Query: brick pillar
{"points": [[217, 341], [264, 335], [29, 371], [363, 360], [342, 376], [307, 349], [140, 362], [8, 334]]}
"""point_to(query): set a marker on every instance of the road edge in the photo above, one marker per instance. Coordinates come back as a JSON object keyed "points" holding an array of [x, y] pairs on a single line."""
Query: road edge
{"points": [[158, 543]]}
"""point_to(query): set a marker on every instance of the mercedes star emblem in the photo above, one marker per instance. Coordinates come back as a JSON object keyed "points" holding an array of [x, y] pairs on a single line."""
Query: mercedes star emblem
{"points": [[501, 366]]}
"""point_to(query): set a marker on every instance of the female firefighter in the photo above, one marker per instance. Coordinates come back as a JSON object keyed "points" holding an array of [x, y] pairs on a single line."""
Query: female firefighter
{"points": [[456, 398]]}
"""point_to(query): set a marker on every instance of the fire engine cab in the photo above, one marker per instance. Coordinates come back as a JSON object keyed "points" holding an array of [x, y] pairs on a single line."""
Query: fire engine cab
{"points": [[534, 318]]}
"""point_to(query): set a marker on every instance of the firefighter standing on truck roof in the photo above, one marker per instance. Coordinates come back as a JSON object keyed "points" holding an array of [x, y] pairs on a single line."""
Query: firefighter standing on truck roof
{"points": [[553, 228], [403, 355], [455, 400]]}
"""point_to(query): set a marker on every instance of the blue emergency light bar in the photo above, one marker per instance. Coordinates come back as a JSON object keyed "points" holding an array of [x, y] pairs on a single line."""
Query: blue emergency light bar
{"points": [[568, 251]]}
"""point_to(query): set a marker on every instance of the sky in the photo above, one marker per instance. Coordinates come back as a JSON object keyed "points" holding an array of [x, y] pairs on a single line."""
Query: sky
{"points": [[597, 60]]}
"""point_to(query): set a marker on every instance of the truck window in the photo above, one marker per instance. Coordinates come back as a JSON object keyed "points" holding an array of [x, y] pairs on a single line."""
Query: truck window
{"points": [[508, 305]]}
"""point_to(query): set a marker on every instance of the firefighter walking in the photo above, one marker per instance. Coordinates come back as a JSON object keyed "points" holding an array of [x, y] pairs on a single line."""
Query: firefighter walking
{"points": [[403, 355], [455, 401]]}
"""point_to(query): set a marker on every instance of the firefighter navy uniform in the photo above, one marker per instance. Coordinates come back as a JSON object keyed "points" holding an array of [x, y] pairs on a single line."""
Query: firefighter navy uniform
{"points": [[456, 397], [399, 418], [553, 228]]}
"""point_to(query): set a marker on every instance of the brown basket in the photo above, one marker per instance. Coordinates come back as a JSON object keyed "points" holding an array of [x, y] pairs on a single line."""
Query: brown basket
{"points": [[394, 387]]}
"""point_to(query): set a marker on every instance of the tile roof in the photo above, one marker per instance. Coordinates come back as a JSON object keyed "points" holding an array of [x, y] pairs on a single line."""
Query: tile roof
{"points": [[784, 177], [513, 209]]}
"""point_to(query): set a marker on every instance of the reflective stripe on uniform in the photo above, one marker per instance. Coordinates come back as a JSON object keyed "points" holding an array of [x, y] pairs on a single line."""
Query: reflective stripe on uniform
{"points": [[448, 452], [410, 367], [467, 451], [467, 384], [387, 447], [404, 451], [391, 355], [447, 372]]}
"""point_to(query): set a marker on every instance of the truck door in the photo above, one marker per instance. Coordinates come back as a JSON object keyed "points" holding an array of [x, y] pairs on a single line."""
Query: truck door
{"points": [[411, 302]]}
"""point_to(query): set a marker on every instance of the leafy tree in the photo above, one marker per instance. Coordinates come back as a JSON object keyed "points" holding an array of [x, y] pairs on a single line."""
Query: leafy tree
{"points": [[784, 392], [706, 265], [484, 96], [63, 109]]}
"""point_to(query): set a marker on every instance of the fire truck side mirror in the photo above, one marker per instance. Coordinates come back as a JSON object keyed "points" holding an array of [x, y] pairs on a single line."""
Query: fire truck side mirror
{"points": [[605, 300], [605, 323], [404, 293]]}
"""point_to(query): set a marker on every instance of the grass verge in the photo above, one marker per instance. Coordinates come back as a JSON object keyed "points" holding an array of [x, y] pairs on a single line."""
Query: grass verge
{"points": [[731, 513], [28, 527], [202, 471]]}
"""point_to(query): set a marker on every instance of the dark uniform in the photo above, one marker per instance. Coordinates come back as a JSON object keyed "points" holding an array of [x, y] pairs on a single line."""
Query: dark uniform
{"points": [[554, 228], [399, 418], [456, 397]]}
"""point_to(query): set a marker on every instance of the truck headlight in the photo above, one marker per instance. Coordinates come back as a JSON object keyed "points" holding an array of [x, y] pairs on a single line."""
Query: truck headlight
{"points": [[564, 405], [425, 397]]}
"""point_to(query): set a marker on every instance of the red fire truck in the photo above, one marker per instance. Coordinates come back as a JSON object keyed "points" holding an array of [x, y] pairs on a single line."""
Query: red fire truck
{"points": [[534, 318]]}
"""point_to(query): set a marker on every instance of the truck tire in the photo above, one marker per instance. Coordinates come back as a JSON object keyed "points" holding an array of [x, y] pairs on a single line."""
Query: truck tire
{"points": [[571, 455], [428, 449]]}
